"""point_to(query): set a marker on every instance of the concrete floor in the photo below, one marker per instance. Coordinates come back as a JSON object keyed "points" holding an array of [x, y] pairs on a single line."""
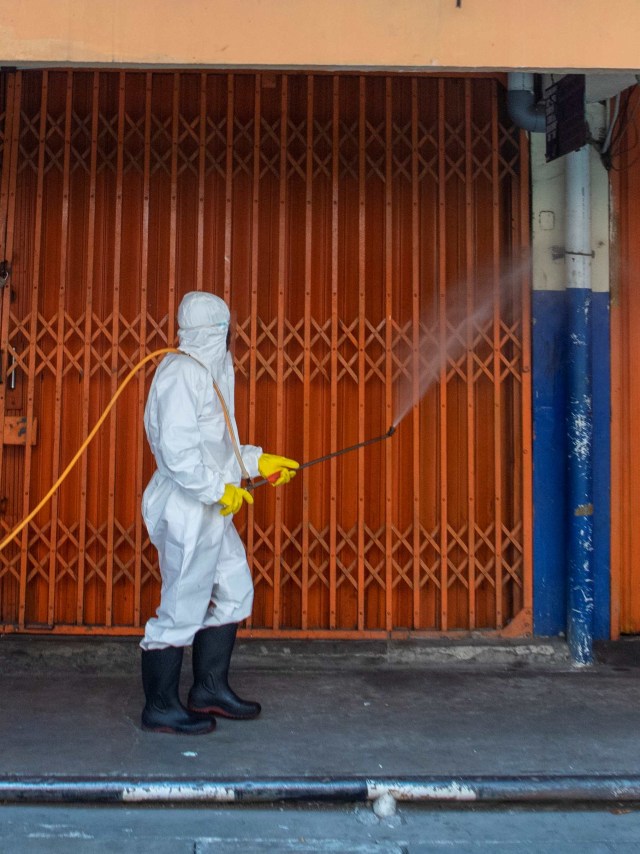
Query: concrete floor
{"points": [[72, 708]]}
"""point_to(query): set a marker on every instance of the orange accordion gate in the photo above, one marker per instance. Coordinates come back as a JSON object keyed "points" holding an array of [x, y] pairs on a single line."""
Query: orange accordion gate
{"points": [[625, 350], [369, 232]]}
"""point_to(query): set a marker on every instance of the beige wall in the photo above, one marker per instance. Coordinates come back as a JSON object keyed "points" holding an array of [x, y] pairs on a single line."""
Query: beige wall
{"points": [[542, 34]]}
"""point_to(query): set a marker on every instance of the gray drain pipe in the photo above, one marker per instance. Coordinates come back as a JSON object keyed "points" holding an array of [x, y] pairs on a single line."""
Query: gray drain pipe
{"points": [[525, 113]]}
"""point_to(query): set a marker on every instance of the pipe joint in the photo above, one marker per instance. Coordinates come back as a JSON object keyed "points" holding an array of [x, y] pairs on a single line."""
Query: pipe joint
{"points": [[521, 103]]}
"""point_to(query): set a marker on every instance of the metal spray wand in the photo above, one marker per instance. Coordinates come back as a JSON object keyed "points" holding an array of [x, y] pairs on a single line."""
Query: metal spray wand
{"points": [[255, 483]]}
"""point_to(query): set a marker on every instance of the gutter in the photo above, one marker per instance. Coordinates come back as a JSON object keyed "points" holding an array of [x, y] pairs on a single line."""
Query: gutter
{"points": [[552, 789]]}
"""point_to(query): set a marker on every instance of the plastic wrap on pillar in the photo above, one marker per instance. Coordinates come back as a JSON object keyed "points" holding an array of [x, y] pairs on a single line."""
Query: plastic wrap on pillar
{"points": [[579, 434], [579, 412]]}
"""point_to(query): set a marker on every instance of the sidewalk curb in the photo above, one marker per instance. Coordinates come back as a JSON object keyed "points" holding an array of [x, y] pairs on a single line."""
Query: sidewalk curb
{"points": [[552, 789], [20, 654]]}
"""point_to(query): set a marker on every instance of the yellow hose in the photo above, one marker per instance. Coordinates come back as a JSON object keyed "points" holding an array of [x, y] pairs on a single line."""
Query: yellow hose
{"points": [[86, 442]]}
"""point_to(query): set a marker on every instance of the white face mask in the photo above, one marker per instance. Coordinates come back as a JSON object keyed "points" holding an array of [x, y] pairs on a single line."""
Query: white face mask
{"points": [[208, 344]]}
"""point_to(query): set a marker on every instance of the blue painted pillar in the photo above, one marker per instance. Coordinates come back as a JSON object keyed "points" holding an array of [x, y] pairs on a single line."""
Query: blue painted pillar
{"points": [[578, 256], [549, 342]]}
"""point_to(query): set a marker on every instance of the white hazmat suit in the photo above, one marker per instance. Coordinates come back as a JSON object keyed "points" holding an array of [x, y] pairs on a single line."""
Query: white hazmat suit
{"points": [[206, 580]]}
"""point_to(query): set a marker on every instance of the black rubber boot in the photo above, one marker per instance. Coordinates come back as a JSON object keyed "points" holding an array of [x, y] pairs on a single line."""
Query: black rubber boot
{"points": [[211, 693], [163, 711]]}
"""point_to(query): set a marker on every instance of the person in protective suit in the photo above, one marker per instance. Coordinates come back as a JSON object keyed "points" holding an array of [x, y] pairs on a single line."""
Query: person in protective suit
{"points": [[188, 509]]}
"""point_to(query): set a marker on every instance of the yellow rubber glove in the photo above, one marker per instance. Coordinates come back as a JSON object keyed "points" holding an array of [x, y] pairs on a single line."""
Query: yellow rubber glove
{"points": [[277, 470], [232, 499]]}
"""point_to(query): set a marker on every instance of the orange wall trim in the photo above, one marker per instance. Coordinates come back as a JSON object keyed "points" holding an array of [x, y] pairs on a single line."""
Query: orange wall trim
{"points": [[407, 34]]}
